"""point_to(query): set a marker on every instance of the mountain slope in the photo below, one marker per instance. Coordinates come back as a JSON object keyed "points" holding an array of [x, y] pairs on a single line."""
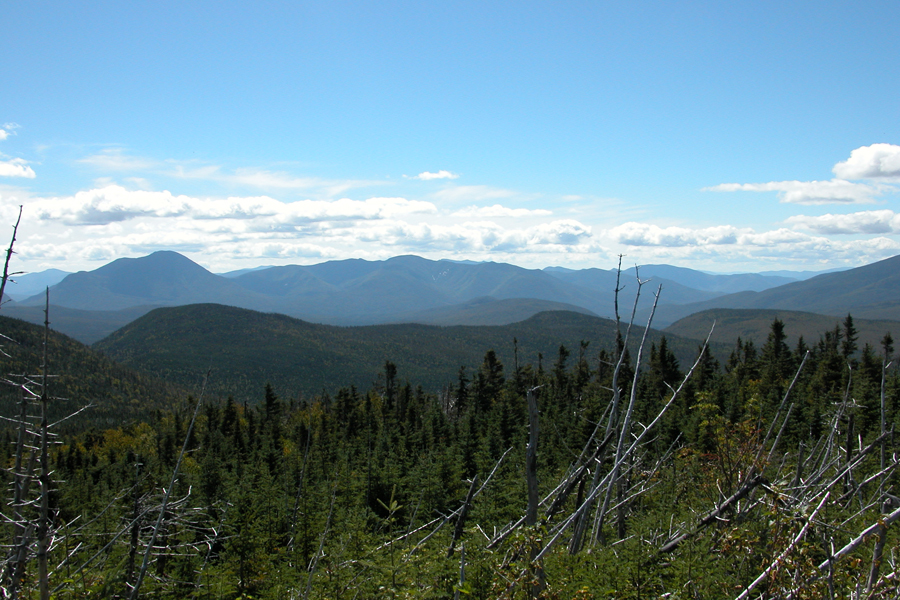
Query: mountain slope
{"points": [[714, 282], [487, 311], [755, 324], [86, 326], [162, 278], [24, 286], [247, 349], [603, 284], [680, 277], [362, 292], [81, 376], [868, 292]]}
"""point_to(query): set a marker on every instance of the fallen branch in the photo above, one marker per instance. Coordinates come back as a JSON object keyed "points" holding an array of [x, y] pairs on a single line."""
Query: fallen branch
{"points": [[778, 561], [858, 540]]}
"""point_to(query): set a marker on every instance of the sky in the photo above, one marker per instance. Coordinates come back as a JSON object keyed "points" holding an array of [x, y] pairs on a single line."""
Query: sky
{"points": [[720, 136]]}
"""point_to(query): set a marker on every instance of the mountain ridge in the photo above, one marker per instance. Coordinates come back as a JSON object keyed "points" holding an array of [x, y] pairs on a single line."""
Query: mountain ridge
{"points": [[361, 292], [869, 292]]}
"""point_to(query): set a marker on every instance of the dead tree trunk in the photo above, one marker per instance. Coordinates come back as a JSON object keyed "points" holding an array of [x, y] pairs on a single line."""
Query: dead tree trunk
{"points": [[463, 514], [535, 568], [531, 459], [162, 509], [44, 519]]}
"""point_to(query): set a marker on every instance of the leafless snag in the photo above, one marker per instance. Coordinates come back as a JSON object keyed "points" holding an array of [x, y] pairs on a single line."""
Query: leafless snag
{"points": [[9, 253], [314, 563], [463, 514], [168, 492]]}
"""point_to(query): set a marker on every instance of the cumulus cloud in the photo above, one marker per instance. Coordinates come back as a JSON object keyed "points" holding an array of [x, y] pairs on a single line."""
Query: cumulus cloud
{"points": [[3, 134], [442, 174], [834, 191], [16, 167], [566, 232], [870, 162], [479, 236], [107, 205], [489, 212], [865, 222], [874, 162]]}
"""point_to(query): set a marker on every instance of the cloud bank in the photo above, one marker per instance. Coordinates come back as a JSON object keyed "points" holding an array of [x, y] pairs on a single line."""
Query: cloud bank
{"points": [[254, 220], [867, 222], [112, 221]]}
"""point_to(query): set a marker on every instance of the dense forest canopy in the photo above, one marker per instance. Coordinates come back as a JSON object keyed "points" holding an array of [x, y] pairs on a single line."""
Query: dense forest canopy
{"points": [[769, 469], [247, 349]]}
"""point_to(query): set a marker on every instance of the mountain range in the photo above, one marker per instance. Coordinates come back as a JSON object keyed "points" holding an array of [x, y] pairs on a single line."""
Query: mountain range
{"points": [[870, 292], [89, 305]]}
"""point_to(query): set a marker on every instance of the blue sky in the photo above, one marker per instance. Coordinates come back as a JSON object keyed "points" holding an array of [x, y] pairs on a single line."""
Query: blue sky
{"points": [[718, 136]]}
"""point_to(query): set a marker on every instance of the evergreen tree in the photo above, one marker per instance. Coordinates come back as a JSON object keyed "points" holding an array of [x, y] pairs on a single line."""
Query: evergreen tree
{"points": [[488, 382], [777, 368], [850, 335]]}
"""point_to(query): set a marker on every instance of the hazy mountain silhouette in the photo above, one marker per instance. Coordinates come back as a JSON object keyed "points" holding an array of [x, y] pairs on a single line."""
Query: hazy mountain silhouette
{"points": [[868, 292], [162, 278], [414, 289]]}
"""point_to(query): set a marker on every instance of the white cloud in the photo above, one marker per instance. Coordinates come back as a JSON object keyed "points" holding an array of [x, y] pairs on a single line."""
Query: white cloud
{"points": [[566, 232], [750, 250], [489, 212], [472, 193], [870, 162], [775, 238], [878, 161], [834, 191], [442, 174], [16, 167], [270, 180], [866, 222], [478, 236], [113, 203], [114, 160], [107, 205], [643, 234], [7, 130]]}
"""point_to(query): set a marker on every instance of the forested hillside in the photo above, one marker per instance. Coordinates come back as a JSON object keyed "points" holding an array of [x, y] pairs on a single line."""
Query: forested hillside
{"points": [[768, 474], [755, 325], [78, 377], [247, 349]]}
